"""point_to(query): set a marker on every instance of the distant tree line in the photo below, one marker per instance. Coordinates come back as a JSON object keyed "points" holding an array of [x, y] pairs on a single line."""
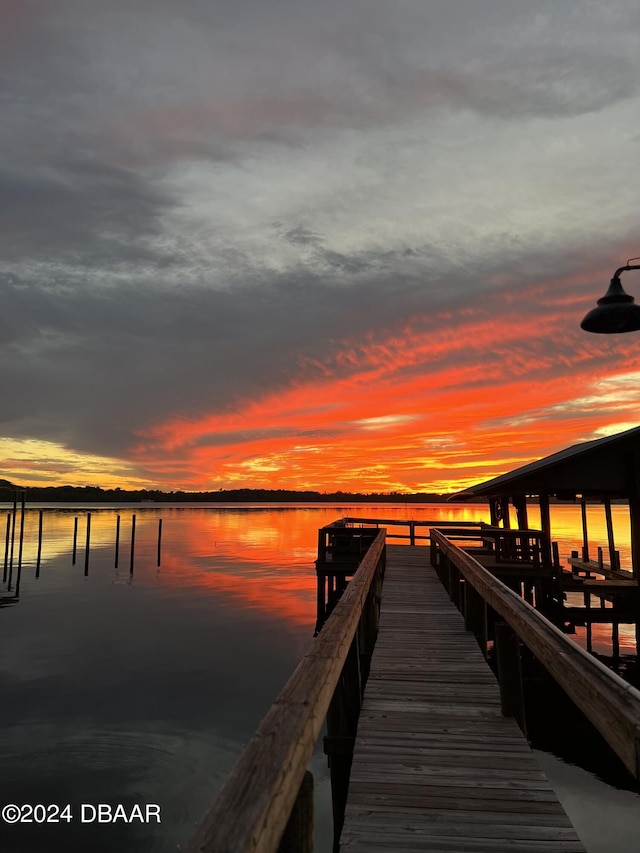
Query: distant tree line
{"points": [[86, 494]]}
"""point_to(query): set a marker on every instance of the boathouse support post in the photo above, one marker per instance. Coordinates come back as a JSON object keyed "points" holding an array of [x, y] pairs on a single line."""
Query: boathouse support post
{"points": [[520, 503], [545, 524], [507, 646], [634, 518], [585, 532], [610, 539], [342, 723]]}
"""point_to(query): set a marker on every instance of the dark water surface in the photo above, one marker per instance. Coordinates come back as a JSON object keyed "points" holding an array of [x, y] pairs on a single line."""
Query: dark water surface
{"points": [[142, 688]]}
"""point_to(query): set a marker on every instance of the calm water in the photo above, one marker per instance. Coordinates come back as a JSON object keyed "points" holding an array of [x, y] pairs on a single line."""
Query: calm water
{"points": [[144, 687]]}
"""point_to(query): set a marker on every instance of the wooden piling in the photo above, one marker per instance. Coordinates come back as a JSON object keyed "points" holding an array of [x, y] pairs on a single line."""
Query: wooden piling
{"points": [[20, 544], [342, 723], [39, 555], [87, 545], [133, 543], [298, 834], [6, 548], [507, 646], [475, 615], [117, 555], [74, 550], [585, 533], [615, 641], [159, 541], [610, 539], [13, 537]]}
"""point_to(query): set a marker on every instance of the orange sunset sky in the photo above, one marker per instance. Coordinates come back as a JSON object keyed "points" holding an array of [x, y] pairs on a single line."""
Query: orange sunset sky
{"points": [[339, 247]]}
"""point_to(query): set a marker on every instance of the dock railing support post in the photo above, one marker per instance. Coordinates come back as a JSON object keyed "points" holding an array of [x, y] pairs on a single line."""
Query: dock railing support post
{"points": [[342, 723], [455, 591], [298, 835], [475, 615], [507, 646]]}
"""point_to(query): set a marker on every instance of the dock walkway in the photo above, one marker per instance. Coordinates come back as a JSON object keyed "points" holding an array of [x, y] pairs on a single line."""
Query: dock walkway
{"points": [[436, 766]]}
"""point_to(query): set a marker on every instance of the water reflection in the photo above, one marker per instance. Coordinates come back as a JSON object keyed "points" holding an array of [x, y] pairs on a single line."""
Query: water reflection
{"points": [[143, 686]]}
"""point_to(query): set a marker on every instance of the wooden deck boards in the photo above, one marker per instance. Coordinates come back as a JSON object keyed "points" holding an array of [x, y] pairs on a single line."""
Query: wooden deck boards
{"points": [[436, 766]]}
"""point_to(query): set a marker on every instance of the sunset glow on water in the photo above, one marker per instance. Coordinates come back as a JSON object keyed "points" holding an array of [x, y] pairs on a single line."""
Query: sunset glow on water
{"points": [[150, 681]]}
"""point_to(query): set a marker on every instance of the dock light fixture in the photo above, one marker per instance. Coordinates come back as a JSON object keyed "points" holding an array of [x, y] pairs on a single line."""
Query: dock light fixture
{"points": [[616, 311]]}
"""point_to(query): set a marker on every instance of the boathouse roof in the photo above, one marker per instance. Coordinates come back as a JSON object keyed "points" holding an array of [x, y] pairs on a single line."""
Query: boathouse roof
{"points": [[604, 467]]}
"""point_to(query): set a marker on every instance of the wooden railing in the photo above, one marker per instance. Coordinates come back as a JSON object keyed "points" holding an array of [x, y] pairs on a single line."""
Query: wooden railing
{"points": [[412, 525], [264, 805], [609, 702], [342, 544]]}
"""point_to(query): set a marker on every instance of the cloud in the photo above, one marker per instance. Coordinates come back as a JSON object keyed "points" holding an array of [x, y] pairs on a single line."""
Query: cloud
{"points": [[238, 237]]}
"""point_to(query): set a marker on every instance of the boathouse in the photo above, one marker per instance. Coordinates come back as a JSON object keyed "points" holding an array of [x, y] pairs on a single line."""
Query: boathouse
{"points": [[602, 470]]}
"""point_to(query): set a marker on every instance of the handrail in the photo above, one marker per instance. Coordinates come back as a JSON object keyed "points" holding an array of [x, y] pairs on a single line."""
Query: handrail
{"points": [[405, 521], [411, 523], [252, 809], [609, 702]]}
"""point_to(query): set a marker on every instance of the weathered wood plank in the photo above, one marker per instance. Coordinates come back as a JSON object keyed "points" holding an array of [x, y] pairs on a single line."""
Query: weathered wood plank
{"points": [[436, 766], [612, 704]]}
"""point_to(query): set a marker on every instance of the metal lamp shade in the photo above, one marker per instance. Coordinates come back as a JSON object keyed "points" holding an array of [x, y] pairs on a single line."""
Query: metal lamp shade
{"points": [[616, 312]]}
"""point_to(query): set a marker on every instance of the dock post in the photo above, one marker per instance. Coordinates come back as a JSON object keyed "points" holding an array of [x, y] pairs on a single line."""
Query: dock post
{"points": [[74, 549], [298, 834], [585, 534], [6, 547], [87, 546], [342, 723], [133, 543], [13, 537], [159, 541], [39, 556], [20, 545], [507, 647], [475, 615], [117, 555], [455, 591]]}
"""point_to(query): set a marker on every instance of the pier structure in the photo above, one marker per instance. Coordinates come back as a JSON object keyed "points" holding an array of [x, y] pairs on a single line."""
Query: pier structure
{"points": [[426, 746], [599, 472]]}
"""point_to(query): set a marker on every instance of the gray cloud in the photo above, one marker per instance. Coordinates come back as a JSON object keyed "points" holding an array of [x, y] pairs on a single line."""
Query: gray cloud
{"points": [[200, 203]]}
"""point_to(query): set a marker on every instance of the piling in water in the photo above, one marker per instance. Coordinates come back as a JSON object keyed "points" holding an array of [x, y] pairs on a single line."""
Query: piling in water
{"points": [[20, 544], [86, 550], [39, 556], [13, 538], [117, 541], [75, 541], [133, 542], [6, 548]]}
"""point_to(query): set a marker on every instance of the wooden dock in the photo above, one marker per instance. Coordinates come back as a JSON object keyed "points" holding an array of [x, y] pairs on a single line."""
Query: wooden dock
{"points": [[436, 766]]}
